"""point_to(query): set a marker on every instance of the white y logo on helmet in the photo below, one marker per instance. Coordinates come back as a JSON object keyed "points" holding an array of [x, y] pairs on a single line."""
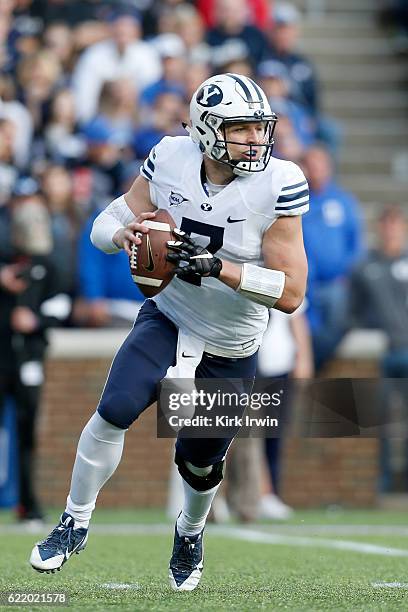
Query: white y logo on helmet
{"points": [[209, 95]]}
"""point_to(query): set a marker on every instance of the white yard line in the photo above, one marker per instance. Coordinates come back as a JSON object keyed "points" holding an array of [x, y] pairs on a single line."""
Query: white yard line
{"points": [[119, 586], [359, 530], [390, 585], [252, 535]]}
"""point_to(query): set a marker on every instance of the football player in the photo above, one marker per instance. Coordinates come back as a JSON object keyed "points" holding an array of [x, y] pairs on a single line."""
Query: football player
{"points": [[238, 252]]}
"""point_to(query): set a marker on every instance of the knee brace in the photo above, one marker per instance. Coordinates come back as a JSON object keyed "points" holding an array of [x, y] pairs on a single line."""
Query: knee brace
{"points": [[197, 482]]}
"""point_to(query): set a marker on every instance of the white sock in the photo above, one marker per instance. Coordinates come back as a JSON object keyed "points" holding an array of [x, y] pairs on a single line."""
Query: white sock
{"points": [[196, 506], [98, 455], [80, 512]]}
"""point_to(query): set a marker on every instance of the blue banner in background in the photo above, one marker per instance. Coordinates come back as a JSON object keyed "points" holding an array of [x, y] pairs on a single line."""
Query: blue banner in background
{"points": [[8, 457]]}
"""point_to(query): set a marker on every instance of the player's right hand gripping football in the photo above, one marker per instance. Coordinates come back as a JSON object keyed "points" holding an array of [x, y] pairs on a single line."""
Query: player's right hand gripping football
{"points": [[131, 234], [191, 258]]}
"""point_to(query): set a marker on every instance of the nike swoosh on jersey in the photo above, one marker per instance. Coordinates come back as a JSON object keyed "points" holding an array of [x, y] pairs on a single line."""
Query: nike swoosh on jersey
{"points": [[187, 356], [229, 220]]}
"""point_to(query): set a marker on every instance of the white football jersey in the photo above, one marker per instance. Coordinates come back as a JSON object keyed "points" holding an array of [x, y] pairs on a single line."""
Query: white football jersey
{"points": [[231, 224]]}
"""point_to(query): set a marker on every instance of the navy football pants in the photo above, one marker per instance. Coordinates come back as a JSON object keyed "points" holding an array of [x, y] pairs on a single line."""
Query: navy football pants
{"points": [[142, 362]]}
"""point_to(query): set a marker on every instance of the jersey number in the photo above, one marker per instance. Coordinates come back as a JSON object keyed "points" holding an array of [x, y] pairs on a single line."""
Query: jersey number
{"points": [[214, 232]]}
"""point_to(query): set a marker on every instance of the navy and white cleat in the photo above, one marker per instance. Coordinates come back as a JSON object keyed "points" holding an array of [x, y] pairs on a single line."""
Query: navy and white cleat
{"points": [[186, 563], [63, 541]]}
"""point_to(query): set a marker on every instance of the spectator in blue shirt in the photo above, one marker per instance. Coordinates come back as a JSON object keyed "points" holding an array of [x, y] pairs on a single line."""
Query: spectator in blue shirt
{"points": [[117, 112], [275, 81], [108, 296], [166, 116], [105, 161], [172, 52], [333, 242]]}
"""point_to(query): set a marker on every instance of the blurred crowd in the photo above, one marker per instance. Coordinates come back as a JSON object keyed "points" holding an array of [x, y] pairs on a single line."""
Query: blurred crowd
{"points": [[87, 88]]}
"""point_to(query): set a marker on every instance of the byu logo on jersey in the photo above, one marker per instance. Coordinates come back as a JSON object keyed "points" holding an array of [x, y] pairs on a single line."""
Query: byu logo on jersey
{"points": [[206, 207], [209, 95], [175, 199]]}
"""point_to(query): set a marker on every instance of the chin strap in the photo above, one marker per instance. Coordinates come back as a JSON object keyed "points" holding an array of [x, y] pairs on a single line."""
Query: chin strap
{"points": [[186, 127]]}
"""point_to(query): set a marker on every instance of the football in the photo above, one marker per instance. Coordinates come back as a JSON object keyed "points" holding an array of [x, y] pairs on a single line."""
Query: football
{"points": [[148, 265]]}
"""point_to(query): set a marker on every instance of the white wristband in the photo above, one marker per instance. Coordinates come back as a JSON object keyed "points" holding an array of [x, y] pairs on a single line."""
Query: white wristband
{"points": [[261, 285], [115, 216]]}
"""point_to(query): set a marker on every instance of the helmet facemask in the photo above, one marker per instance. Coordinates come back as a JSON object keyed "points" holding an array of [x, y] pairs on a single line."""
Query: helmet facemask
{"points": [[219, 150]]}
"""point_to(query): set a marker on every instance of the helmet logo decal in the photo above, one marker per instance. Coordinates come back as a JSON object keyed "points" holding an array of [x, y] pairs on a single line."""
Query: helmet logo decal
{"points": [[209, 95]]}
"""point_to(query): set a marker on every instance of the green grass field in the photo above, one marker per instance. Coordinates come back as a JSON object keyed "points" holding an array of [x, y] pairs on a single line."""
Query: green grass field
{"points": [[317, 561]]}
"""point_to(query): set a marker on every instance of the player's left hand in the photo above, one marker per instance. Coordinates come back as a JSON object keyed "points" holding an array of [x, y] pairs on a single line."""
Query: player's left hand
{"points": [[191, 258]]}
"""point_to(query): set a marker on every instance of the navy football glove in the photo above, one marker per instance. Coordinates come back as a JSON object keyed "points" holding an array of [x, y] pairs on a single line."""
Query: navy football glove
{"points": [[192, 259]]}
